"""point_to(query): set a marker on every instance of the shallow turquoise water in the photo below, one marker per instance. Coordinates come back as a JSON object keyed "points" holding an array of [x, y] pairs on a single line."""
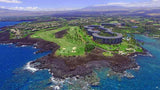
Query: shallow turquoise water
{"points": [[147, 78]]}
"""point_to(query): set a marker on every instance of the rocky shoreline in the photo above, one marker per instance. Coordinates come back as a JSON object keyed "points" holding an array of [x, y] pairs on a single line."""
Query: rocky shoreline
{"points": [[40, 44], [63, 67]]}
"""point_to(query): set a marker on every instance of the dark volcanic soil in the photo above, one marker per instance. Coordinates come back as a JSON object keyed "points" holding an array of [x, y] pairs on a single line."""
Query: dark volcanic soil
{"points": [[60, 34], [62, 67], [38, 43]]}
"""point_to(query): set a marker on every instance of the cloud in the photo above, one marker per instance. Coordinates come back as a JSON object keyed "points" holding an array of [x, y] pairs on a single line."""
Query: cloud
{"points": [[37, 8], [112, 4], [155, 0], [2, 7], [24, 8], [10, 1], [152, 3], [21, 8]]}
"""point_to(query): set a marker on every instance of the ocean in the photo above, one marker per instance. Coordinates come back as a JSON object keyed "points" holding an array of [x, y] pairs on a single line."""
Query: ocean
{"points": [[14, 76], [146, 78], [13, 60]]}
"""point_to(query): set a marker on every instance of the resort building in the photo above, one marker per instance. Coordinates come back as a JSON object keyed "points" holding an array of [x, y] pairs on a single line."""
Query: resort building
{"points": [[103, 35]]}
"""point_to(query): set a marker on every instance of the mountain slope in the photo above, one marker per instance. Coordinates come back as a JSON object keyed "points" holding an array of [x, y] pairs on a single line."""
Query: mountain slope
{"points": [[7, 12], [104, 8]]}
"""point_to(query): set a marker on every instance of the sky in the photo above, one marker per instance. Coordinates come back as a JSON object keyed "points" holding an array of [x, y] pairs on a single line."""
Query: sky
{"points": [[57, 5]]}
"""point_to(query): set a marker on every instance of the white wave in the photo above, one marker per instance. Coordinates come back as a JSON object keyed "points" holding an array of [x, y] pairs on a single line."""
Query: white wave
{"points": [[128, 75], [147, 54], [135, 55], [30, 67], [24, 46], [34, 47], [55, 87], [57, 83], [34, 53], [137, 68], [6, 43], [121, 75]]}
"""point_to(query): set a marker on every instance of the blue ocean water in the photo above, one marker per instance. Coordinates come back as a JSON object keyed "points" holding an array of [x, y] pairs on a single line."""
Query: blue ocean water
{"points": [[147, 78], [3, 24], [14, 77], [13, 58], [12, 62]]}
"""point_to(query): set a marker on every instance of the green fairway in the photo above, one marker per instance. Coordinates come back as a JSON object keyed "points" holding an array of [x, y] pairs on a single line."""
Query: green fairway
{"points": [[74, 42], [71, 44]]}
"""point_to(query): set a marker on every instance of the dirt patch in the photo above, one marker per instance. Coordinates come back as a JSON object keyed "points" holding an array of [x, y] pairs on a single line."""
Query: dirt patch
{"points": [[60, 34]]}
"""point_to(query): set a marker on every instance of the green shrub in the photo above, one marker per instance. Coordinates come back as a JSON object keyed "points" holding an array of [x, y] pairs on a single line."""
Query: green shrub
{"points": [[89, 47]]}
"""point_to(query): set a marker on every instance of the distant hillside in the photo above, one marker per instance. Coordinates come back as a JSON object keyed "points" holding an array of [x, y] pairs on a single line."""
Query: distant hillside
{"points": [[119, 8], [88, 11], [104, 8], [6, 13]]}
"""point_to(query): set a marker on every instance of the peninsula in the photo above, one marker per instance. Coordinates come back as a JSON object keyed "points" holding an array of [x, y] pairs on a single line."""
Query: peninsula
{"points": [[78, 46]]}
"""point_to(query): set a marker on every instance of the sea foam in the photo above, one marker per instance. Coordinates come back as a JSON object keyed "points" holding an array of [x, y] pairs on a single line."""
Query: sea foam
{"points": [[57, 83], [30, 67]]}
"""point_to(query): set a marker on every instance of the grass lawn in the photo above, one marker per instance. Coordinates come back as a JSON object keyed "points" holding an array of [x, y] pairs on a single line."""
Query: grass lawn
{"points": [[114, 22], [156, 24], [70, 44], [74, 42], [126, 46], [124, 31]]}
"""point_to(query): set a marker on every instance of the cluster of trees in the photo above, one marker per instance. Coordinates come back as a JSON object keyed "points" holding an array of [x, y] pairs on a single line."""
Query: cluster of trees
{"points": [[89, 47], [74, 36]]}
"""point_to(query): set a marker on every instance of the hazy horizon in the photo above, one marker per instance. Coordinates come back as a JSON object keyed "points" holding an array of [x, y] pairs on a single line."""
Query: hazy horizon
{"points": [[61, 5]]}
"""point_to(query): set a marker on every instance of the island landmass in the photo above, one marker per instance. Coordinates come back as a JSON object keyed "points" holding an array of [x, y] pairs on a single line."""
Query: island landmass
{"points": [[75, 51]]}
